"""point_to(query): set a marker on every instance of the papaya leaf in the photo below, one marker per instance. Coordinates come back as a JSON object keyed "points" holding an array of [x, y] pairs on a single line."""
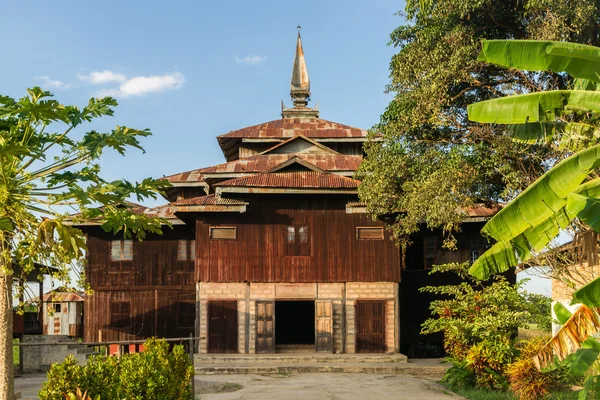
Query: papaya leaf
{"points": [[5, 224]]}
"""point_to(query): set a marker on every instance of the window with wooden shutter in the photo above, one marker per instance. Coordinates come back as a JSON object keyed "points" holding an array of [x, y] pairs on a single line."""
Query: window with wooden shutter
{"points": [[121, 255], [430, 251], [369, 233], [186, 314], [298, 240], [186, 254], [223, 233], [120, 314]]}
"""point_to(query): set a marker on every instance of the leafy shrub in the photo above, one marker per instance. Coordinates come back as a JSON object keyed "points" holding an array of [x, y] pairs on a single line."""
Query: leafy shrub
{"points": [[526, 381], [459, 375], [488, 361], [157, 373], [479, 321]]}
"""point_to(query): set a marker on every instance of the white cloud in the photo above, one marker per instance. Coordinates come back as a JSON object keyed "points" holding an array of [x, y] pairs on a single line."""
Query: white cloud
{"points": [[141, 85], [253, 59], [49, 83], [101, 77]]}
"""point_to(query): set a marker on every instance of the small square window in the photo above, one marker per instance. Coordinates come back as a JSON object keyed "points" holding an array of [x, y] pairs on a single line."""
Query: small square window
{"points": [[121, 250], [298, 241], [369, 233], [223, 233], [57, 307]]}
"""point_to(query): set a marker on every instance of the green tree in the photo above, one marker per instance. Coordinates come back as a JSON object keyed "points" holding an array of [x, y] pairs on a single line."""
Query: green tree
{"points": [[48, 170], [430, 161]]}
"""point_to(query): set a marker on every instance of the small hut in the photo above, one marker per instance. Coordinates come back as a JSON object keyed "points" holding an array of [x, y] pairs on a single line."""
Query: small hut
{"points": [[63, 313]]}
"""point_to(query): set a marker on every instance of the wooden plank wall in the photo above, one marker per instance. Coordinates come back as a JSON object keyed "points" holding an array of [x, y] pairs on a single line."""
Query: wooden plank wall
{"points": [[154, 262], [151, 284], [259, 253], [153, 313]]}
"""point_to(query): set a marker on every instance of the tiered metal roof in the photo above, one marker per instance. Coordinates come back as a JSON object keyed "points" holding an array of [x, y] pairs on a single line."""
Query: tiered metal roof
{"points": [[296, 180]]}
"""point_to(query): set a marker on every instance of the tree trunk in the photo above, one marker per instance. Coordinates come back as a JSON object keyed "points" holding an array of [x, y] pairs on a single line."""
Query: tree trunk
{"points": [[7, 391]]}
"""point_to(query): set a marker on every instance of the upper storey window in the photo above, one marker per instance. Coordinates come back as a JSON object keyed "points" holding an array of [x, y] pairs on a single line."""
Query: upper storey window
{"points": [[223, 233], [298, 243], [121, 250], [186, 250], [369, 233]]}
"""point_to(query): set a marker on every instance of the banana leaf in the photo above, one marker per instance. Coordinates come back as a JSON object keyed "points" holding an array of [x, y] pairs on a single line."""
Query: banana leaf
{"points": [[583, 323], [578, 60], [533, 107], [543, 198], [562, 313], [581, 203], [497, 259], [501, 256], [535, 132], [588, 295]]}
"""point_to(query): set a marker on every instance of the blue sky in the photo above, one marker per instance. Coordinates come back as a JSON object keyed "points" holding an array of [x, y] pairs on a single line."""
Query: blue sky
{"points": [[191, 70]]}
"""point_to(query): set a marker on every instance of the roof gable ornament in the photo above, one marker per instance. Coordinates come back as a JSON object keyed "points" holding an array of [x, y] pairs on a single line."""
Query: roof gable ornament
{"points": [[299, 88]]}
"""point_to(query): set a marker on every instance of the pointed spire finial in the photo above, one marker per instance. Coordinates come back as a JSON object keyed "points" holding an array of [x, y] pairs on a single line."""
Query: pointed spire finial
{"points": [[300, 84]]}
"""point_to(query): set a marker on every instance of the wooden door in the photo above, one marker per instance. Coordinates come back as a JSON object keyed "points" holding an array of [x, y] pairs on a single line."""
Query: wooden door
{"points": [[222, 326], [324, 326], [265, 326], [370, 326]]}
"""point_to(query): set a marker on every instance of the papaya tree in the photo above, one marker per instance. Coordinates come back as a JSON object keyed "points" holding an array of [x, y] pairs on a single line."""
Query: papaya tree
{"points": [[49, 171]]}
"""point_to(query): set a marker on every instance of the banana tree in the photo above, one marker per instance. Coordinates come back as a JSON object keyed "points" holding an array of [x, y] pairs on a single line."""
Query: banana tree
{"points": [[575, 346], [569, 117], [528, 223]]}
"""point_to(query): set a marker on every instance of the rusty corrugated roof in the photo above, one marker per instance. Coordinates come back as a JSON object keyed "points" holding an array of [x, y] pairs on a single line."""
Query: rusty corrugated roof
{"points": [[304, 179], [481, 210], [188, 176], [62, 296], [261, 163], [289, 127], [207, 200]]}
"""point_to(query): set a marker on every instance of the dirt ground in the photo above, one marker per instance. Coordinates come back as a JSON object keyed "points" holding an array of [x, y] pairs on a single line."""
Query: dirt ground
{"points": [[331, 386]]}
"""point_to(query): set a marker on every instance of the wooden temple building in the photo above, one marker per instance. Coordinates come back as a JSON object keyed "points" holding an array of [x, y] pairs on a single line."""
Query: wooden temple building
{"points": [[271, 251]]}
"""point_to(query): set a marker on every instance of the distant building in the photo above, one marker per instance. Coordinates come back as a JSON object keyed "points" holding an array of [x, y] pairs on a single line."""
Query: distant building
{"points": [[63, 313]]}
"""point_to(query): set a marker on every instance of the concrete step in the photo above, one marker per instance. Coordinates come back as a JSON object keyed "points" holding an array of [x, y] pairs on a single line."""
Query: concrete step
{"points": [[427, 371], [297, 358]]}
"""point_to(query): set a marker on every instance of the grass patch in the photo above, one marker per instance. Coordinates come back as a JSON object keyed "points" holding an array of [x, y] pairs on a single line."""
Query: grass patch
{"points": [[486, 394], [531, 332], [16, 353]]}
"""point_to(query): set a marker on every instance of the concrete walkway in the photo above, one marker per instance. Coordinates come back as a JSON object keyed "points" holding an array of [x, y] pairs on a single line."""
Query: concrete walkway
{"points": [[332, 386]]}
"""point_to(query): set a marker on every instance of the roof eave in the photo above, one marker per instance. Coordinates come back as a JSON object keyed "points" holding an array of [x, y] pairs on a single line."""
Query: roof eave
{"points": [[274, 190]]}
